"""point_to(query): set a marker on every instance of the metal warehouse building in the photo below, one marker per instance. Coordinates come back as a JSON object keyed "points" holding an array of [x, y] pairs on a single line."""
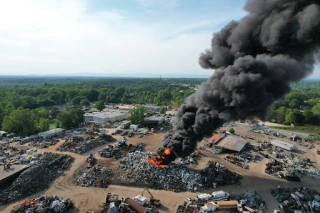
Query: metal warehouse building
{"points": [[103, 117], [51, 133]]}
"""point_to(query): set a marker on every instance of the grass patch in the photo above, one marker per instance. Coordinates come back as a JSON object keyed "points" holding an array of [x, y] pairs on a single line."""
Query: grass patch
{"points": [[52, 124], [314, 130]]}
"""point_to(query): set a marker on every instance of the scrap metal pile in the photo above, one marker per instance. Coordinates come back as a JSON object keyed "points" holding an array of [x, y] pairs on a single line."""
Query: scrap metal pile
{"points": [[289, 164], [252, 200], [45, 143], [175, 177], [80, 145], [96, 176], [237, 160], [36, 178], [44, 204], [297, 199], [114, 203]]}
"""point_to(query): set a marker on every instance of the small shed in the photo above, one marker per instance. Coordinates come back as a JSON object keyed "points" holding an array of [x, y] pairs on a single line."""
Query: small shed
{"points": [[155, 121]]}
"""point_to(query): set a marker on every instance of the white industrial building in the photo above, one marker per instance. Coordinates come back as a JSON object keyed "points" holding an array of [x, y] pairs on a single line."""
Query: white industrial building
{"points": [[103, 117], [51, 133], [283, 145]]}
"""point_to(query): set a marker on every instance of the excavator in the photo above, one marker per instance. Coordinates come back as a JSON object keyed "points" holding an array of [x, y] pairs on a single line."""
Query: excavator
{"points": [[154, 202]]}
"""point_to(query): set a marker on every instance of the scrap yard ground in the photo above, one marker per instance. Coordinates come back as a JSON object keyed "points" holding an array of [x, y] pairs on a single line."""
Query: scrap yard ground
{"points": [[88, 198]]}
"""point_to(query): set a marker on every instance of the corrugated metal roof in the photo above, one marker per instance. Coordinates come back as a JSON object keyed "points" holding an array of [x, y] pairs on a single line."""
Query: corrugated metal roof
{"points": [[216, 138], [233, 143]]}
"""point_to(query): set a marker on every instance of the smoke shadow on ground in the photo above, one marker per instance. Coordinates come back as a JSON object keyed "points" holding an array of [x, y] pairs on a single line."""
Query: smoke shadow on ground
{"points": [[164, 208]]}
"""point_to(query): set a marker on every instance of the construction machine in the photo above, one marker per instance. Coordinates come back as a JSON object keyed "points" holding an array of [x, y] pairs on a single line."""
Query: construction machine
{"points": [[154, 202], [89, 161]]}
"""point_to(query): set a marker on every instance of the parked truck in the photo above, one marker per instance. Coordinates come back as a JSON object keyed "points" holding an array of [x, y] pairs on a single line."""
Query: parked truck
{"points": [[232, 204], [220, 195], [208, 207], [203, 197]]}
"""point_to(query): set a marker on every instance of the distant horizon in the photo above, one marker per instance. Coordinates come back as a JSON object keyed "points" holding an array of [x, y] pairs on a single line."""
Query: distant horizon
{"points": [[141, 75]]}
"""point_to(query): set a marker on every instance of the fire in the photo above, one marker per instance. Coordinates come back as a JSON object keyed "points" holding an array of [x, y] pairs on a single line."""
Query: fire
{"points": [[167, 151], [164, 158]]}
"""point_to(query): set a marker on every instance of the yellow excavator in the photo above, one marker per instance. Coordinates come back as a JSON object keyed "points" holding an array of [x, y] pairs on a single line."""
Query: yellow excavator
{"points": [[153, 201]]}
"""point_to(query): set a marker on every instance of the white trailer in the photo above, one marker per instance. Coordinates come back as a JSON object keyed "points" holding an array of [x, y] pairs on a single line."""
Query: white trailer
{"points": [[220, 195], [208, 207], [203, 197], [284, 145]]}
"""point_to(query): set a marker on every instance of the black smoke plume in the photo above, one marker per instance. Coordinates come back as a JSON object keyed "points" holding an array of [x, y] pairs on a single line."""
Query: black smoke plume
{"points": [[255, 61]]}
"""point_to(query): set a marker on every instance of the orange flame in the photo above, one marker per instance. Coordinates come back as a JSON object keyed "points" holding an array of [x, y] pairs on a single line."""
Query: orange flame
{"points": [[167, 151], [164, 158]]}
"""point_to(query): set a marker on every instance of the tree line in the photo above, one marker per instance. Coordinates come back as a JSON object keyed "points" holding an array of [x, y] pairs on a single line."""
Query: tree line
{"points": [[20, 102], [300, 107]]}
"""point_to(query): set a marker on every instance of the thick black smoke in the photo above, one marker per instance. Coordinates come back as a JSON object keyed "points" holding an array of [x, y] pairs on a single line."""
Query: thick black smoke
{"points": [[255, 60]]}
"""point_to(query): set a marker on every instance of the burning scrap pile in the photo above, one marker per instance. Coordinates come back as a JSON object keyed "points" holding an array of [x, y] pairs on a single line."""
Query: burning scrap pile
{"points": [[135, 167], [252, 200], [297, 199], [290, 164], [276, 43], [80, 145], [45, 204], [36, 178], [96, 176]]}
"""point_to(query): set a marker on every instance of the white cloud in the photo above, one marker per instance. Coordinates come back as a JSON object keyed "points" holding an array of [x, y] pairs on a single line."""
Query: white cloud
{"points": [[61, 37]]}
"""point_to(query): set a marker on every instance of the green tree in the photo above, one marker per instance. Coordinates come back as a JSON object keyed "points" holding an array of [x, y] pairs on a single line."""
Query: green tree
{"points": [[281, 114], [20, 121], [232, 131], [163, 110], [44, 124], [137, 115], [316, 109], [84, 102], [71, 118], [99, 105], [294, 117], [54, 112], [41, 112], [309, 117]]}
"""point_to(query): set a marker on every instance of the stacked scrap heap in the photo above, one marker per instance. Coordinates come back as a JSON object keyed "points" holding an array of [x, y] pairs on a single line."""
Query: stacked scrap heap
{"points": [[37, 178], [175, 177]]}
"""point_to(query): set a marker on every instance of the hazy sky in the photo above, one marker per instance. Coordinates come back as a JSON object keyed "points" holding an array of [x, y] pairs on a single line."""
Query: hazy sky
{"points": [[145, 37]]}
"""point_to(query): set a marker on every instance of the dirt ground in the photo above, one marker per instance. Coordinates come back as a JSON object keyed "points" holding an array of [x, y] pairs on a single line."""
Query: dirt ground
{"points": [[88, 198]]}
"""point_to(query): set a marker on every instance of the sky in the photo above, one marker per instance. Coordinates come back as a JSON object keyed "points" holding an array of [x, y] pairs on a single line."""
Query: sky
{"points": [[111, 37]]}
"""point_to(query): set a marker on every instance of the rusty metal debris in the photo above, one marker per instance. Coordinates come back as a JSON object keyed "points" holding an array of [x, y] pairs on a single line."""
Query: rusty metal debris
{"points": [[291, 199], [38, 177], [96, 176], [81, 145], [134, 167], [44, 204]]}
